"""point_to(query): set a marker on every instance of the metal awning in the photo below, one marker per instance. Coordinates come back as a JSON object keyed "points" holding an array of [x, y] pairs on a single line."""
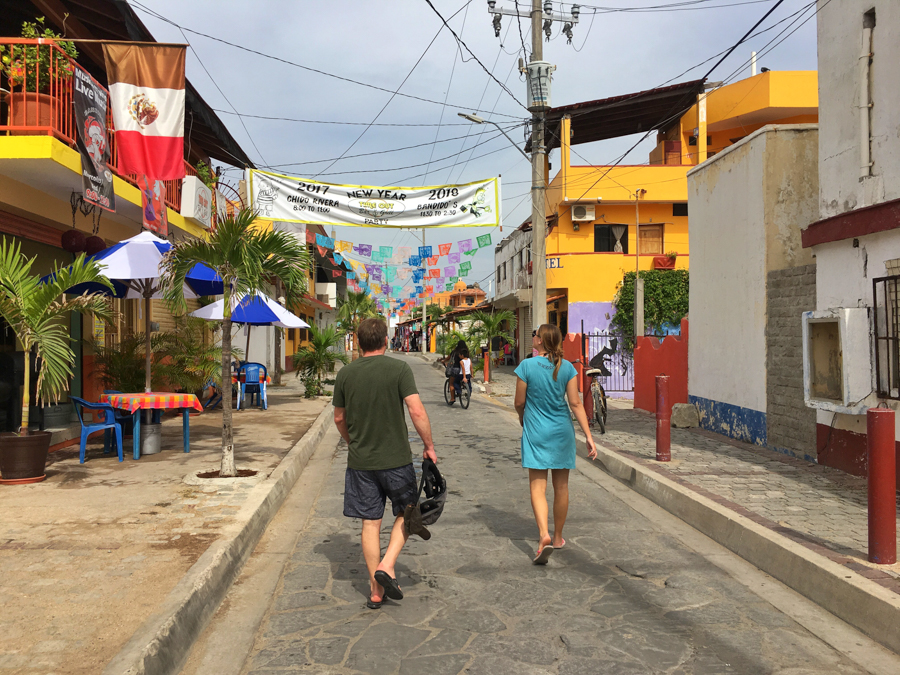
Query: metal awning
{"points": [[622, 115]]}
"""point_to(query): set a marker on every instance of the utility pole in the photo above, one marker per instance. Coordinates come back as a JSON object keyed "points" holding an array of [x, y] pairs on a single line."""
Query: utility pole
{"points": [[538, 83], [638, 282]]}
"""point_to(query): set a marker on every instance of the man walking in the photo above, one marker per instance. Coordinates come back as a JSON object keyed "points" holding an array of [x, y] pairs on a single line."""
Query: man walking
{"points": [[369, 395]]}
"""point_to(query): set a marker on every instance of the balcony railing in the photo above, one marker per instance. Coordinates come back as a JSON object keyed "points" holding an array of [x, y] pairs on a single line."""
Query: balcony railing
{"points": [[36, 99]]}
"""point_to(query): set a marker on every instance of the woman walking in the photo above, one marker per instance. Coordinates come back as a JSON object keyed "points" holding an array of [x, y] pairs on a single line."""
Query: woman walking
{"points": [[543, 385]]}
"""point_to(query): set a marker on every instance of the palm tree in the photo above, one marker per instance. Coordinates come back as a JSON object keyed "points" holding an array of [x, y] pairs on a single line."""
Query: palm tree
{"points": [[318, 356], [489, 325], [352, 310], [246, 258], [36, 312]]}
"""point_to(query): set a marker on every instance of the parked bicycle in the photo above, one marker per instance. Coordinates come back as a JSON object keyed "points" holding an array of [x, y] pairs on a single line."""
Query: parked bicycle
{"points": [[598, 394]]}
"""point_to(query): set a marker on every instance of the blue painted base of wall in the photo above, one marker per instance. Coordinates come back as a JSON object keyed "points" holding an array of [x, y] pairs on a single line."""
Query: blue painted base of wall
{"points": [[733, 421]]}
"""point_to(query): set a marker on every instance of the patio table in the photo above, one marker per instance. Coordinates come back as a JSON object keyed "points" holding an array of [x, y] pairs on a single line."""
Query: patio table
{"points": [[134, 403]]}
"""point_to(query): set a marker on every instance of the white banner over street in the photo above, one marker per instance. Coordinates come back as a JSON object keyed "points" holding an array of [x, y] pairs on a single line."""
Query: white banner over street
{"points": [[299, 200]]}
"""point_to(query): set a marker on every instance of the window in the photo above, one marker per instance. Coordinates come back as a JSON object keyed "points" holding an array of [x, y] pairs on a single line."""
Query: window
{"points": [[611, 238], [887, 336], [680, 209], [498, 273], [470, 301], [504, 271], [651, 239]]}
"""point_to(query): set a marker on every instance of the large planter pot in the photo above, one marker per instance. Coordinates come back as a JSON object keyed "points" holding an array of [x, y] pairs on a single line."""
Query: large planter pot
{"points": [[23, 458], [28, 109]]}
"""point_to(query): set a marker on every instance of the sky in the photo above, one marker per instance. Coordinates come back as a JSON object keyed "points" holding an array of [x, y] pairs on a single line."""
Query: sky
{"points": [[618, 47]]}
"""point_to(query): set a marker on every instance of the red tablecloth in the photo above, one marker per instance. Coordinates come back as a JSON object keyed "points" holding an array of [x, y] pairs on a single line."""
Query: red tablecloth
{"points": [[162, 401]]}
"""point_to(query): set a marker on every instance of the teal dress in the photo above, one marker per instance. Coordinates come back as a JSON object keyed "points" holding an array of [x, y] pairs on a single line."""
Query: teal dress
{"points": [[548, 437]]}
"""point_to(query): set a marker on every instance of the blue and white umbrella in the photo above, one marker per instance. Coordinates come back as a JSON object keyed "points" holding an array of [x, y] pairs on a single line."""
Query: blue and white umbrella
{"points": [[252, 309], [133, 267]]}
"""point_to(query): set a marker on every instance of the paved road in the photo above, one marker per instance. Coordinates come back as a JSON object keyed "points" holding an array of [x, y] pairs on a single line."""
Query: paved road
{"points": [[624, 597]]}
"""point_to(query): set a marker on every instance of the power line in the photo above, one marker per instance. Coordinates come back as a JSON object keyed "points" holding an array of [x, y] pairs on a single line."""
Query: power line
{"points": [[459, 40], [358, 124], [378, 152], [156, 15], [673, 7], [395, 92], [456, 52]]}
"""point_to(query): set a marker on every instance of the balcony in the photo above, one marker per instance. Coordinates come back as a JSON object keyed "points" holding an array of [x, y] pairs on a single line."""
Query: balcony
{"points": [[37, 100]]}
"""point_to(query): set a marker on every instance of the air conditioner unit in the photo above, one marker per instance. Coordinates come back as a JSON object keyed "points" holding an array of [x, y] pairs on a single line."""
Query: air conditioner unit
{"points": [[582, 212]]}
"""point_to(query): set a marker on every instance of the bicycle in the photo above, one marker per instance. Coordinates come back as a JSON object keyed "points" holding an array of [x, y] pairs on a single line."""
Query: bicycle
{"points": [[464, 397], [598, 394]]}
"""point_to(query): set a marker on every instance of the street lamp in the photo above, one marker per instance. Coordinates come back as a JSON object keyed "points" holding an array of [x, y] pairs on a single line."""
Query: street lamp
{"points": [[478, 120]]}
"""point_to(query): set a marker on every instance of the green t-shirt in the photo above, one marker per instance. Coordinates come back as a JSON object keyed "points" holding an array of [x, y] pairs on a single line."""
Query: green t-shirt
{"points": [[372, 389]]}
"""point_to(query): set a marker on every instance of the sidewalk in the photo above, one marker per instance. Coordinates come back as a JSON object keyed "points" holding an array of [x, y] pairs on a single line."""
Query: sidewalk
{"points": [[821, 508], [88, 555]]}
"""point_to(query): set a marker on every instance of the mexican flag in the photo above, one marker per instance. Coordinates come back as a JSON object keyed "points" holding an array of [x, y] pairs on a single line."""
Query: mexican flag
{"points": [[146, 86]]}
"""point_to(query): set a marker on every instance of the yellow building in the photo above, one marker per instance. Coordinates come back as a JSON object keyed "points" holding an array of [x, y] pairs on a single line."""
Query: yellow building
{"points": [[41, 183], [597, 213]]}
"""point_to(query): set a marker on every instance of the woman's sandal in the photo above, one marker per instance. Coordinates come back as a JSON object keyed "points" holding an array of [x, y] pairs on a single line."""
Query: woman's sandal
{"points": [[374, 604], [543, 555]]}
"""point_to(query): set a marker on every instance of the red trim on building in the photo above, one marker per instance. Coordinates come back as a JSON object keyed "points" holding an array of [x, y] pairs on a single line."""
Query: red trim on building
{"points": [[845, 450], [308, 299], [857, 223], [18, 226]]}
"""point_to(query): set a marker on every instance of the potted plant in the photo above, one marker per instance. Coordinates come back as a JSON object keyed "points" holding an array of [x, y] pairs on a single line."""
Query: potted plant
{"points": [[665, 262], [35, 312], [38, 71], [318, 357]]}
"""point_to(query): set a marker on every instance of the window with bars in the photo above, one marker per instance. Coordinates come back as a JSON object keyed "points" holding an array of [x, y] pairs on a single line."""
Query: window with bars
{"points": [[887, 336]]}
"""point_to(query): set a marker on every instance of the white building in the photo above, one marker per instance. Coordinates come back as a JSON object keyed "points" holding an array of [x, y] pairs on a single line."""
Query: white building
{"points": [[851, 341], [751, 280], [512, 279]]}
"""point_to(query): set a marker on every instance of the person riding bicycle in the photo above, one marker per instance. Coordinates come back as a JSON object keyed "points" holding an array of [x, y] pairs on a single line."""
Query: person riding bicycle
{"points": [[460, 352]]}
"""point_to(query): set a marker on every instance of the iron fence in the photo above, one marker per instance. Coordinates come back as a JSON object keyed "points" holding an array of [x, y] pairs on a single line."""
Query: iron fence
{"points": [[609, 352]]}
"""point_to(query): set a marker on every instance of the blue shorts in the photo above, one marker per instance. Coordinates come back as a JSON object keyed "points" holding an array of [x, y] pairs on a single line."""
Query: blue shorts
{"points": [[365, 492]]}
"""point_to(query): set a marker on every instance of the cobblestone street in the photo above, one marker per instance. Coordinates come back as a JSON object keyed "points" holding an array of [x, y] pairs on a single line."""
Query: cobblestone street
{"points": [[624, 596]]}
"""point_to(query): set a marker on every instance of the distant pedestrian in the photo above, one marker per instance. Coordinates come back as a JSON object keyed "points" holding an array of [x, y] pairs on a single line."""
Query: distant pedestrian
{"points": [[543, 385], [368, 411]]}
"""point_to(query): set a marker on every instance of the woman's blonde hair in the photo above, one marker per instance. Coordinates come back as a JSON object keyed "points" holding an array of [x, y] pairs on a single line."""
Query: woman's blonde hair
{"points": [[551, 343]]}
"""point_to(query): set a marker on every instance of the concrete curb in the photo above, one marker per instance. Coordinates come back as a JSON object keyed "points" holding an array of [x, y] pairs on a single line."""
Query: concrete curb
{"points": [[851, 597], [162, 643]]}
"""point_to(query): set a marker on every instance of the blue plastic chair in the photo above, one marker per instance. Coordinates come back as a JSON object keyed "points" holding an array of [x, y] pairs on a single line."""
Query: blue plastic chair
{"points": [[255, 375], [108, 424]]}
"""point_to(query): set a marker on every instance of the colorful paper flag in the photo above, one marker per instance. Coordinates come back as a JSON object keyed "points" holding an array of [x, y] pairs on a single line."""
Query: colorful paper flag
{"points": [[415, 261], [343, 246], [377, 256], [454, 258], [338, 259], [424, 251], [484, 240], [351, 275], [433, 261], [434, 274], [386, 251], [464, 273], [465, 266], [465, 245], [322, 251], [336, 273], [310, 237], [472, 252], [365, 250], [450, 271], [444, 249]]}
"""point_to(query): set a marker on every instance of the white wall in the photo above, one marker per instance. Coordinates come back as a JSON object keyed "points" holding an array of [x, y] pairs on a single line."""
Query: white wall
{"points": [[508, 252], [840, 25], [727, 346]]}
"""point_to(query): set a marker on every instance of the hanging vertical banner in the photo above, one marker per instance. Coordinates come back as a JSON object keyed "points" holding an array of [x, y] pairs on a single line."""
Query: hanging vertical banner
{"points": [[90, 101], [301, 200], [146, 88], [153, 205]]}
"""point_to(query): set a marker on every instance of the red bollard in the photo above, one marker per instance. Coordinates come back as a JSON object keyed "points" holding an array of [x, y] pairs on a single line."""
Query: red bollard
{"points": [[663, 420], [882, 479]]}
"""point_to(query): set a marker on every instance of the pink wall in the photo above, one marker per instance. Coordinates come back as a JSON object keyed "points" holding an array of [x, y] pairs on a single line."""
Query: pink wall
{"points": [[653, 357]]}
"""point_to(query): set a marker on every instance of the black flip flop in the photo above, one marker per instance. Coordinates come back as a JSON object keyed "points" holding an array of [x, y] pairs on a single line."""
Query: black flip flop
{"points": [[371, 604], [390, 585], [543, 555]]}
